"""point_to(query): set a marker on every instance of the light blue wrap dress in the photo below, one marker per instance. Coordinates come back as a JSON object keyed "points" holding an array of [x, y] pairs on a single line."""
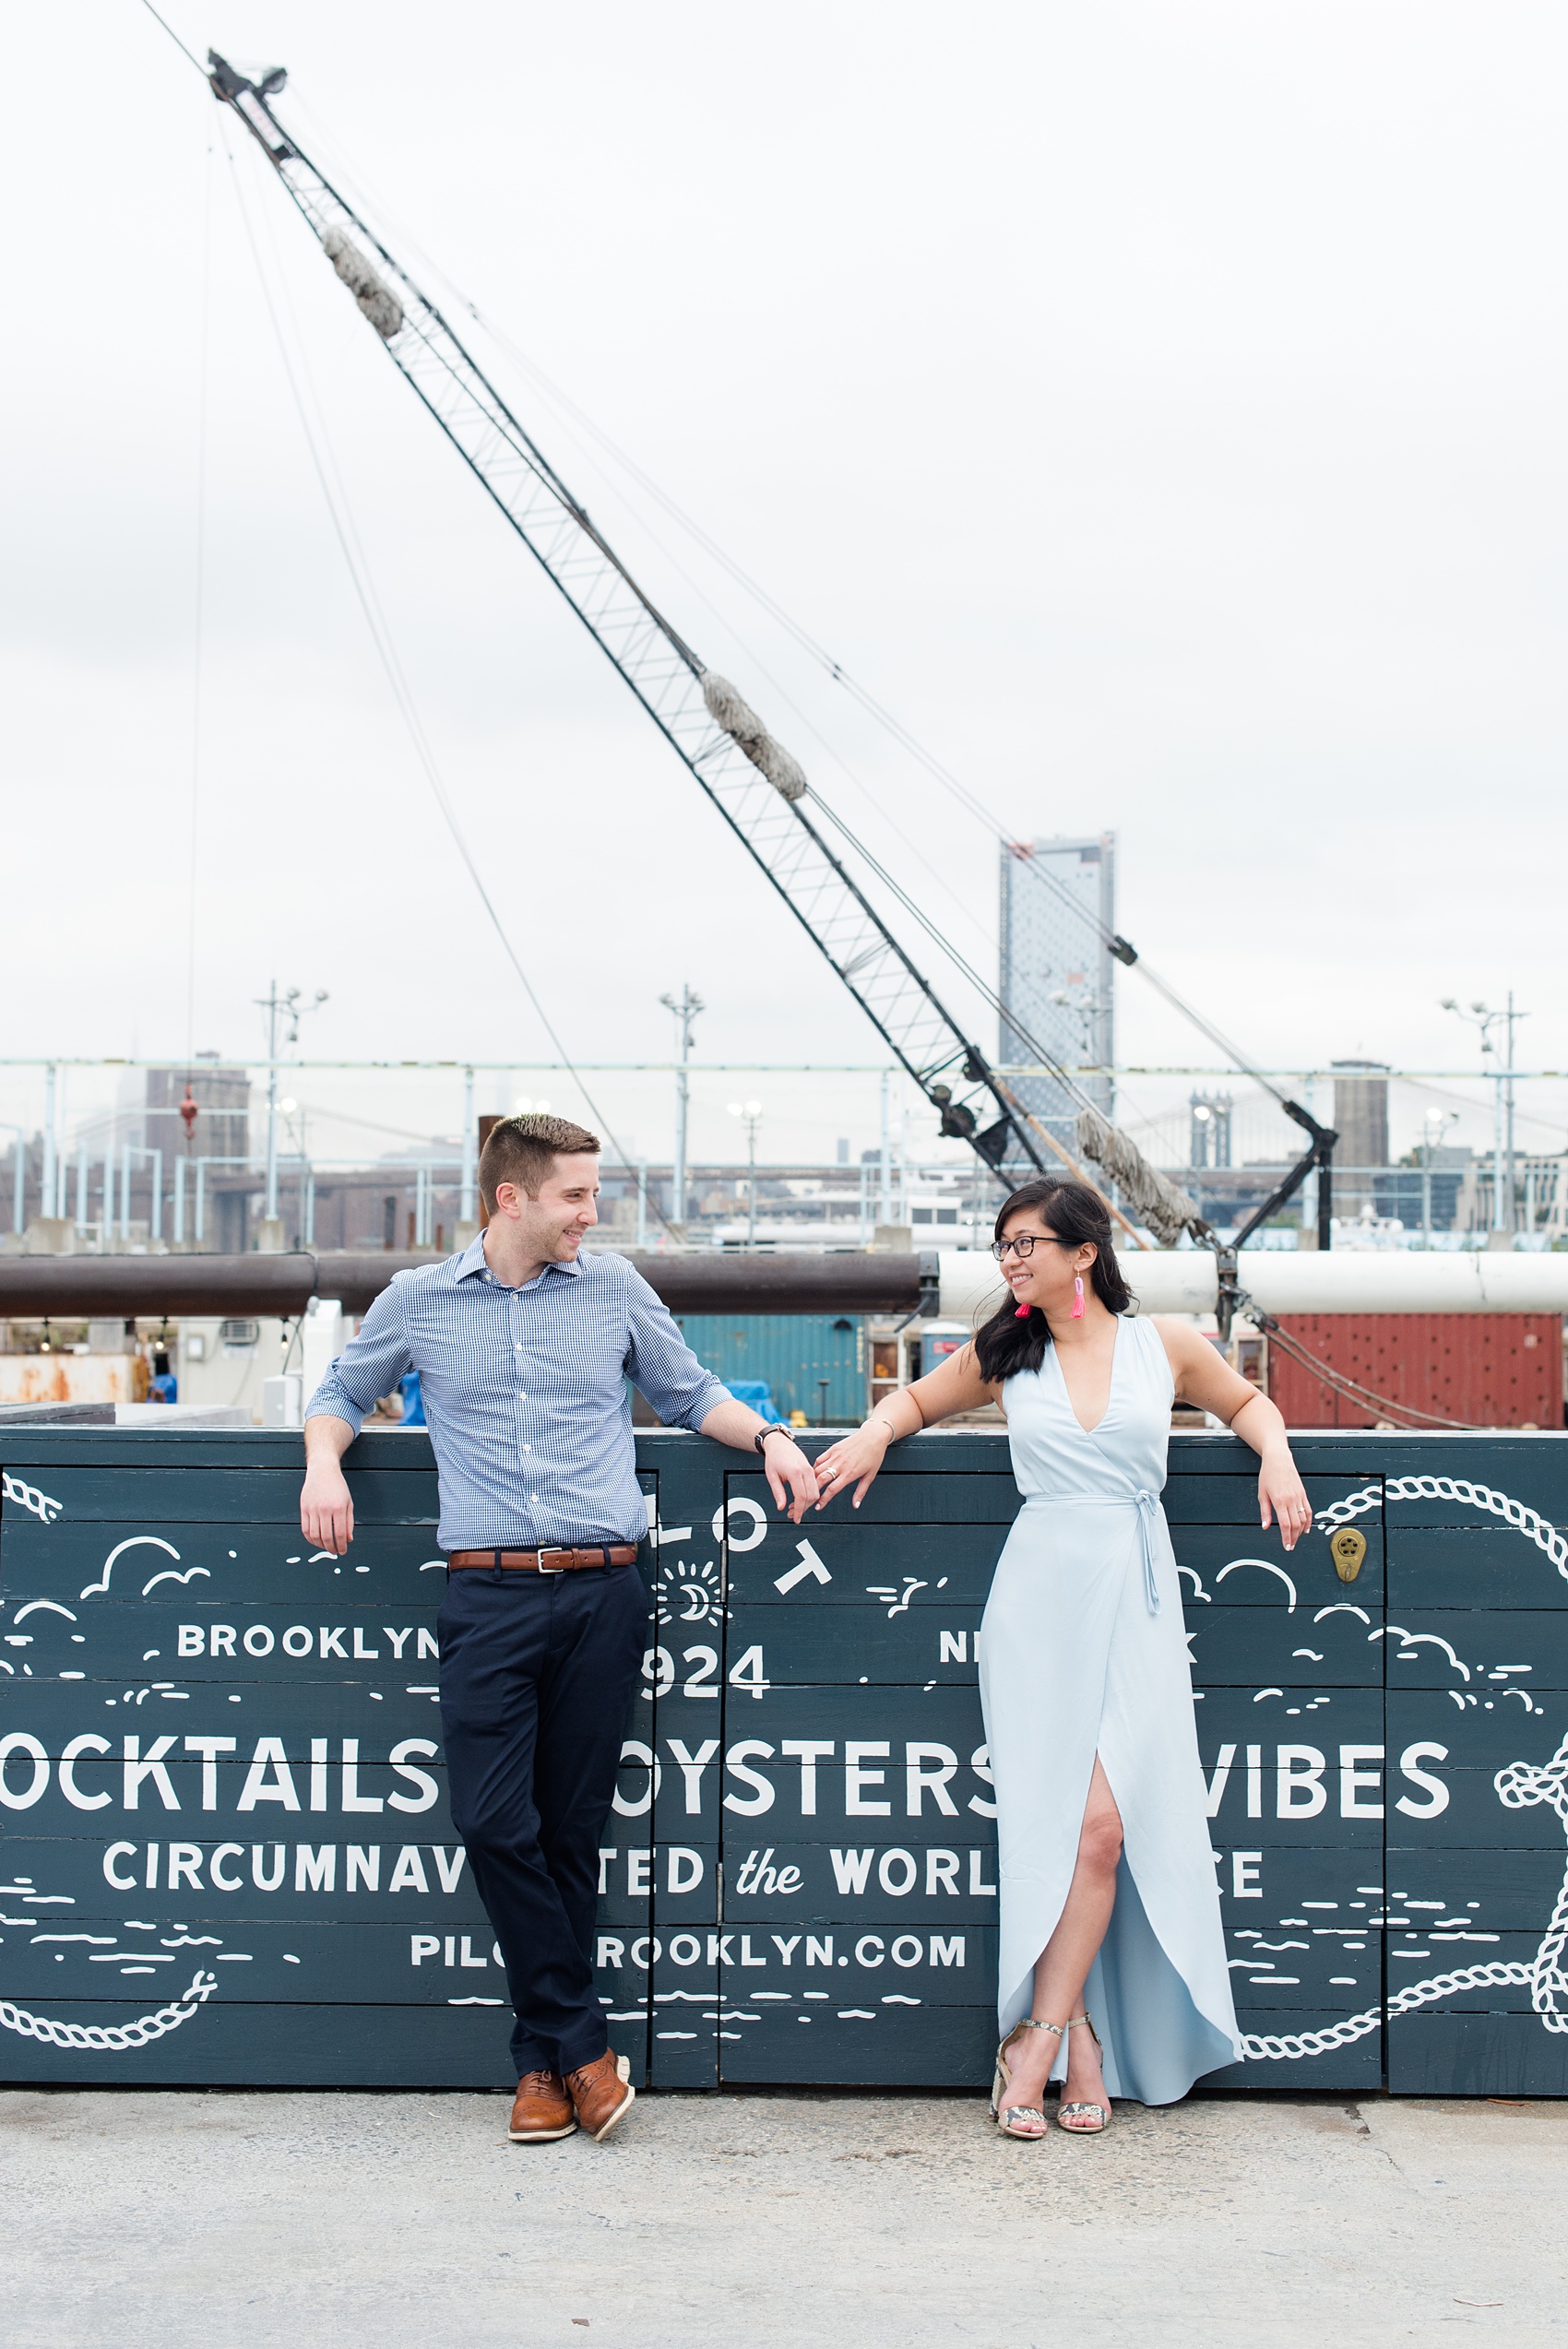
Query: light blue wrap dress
{"points": [[1083, 1651]]}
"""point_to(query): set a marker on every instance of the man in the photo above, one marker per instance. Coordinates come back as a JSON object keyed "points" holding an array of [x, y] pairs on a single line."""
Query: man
{"points": [[523, 1347]]}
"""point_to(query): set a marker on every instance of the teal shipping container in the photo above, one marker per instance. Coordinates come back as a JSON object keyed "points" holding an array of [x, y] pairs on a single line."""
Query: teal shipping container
{"points": [[793, 1353]]}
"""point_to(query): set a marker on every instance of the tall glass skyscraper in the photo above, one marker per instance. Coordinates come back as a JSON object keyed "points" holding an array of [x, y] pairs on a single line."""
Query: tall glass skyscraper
{"points": [[1058, 973]]}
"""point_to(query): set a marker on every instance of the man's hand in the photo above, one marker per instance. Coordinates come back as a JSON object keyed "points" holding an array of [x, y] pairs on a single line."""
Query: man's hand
{"points": [[326, 1513], [787, 1467], [791, 1476]]}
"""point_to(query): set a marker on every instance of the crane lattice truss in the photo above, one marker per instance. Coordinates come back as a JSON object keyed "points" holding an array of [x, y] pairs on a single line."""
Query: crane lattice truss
{"points": [[659, 667]]}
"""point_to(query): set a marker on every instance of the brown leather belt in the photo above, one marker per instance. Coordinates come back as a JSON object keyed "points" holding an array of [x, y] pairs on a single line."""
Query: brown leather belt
{"points": [[549, 1561]]}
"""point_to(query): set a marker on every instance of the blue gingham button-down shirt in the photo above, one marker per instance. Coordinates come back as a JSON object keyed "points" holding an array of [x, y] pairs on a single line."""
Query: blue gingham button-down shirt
{"points": [[525, 1393]]}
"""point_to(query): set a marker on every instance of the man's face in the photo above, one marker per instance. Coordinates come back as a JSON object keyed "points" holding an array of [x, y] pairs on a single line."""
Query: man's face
{"points": [[552, 1225]]}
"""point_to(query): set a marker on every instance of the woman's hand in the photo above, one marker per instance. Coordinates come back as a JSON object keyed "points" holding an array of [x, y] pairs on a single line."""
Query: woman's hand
{"points": [[853, 1460], [1282, 1494], [790, 1478]]}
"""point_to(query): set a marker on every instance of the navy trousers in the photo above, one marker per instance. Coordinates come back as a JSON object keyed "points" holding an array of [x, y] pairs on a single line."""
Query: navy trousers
{"points": [[537, 1677]]}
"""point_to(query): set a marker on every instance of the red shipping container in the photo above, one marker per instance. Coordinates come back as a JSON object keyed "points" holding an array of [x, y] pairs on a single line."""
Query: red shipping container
{"points": [[1483, 1369]]}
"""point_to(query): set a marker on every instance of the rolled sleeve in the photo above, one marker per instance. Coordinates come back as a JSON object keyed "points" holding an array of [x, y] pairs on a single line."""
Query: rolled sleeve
{"points": [[369, 1366], [661, 1365]]}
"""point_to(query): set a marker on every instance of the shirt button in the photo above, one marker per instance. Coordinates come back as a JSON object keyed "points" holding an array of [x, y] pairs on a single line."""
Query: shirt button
{"points": [[527, 1447]]}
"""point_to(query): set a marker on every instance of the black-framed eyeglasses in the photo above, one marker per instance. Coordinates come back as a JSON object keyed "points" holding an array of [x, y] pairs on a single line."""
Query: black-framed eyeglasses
{"points": [[1025, 1245]]}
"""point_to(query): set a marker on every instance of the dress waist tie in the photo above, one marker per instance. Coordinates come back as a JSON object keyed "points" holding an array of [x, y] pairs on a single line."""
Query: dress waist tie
{"points": [[1148, 1505], [1149, 1509]]}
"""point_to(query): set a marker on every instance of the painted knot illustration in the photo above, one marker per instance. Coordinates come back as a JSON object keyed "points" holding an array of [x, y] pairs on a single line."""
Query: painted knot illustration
{"points": [[1520, 1787]]}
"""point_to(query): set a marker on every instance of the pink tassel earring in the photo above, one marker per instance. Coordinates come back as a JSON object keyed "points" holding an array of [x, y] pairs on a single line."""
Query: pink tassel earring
{"points": [[1077, 1312], [1022, 1313]]}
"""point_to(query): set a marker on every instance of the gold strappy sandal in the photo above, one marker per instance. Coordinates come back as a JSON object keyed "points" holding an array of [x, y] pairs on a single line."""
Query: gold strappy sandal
{"points": [[1101, 2113], [1008, 2114]]}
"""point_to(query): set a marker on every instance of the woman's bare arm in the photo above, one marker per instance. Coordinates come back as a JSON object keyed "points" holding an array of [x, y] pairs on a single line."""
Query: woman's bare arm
{"points": [[855, 1459], [1205, 1378]]}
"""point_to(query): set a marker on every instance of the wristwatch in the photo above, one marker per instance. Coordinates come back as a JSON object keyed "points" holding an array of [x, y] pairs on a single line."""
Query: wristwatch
{"points": [[777, 1428]]}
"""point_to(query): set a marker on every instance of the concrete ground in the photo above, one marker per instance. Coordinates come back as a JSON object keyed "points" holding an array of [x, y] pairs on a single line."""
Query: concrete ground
{"points": [[794, 2218]]}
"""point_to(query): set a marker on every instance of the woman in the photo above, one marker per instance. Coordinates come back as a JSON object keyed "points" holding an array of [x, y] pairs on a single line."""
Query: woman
{"points": [[1113, 1971]]}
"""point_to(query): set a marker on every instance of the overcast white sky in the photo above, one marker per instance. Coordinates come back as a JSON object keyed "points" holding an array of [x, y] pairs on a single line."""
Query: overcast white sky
{"points": [[1160, 406]]}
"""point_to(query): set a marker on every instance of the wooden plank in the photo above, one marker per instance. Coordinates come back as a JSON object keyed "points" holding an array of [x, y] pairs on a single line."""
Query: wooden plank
{"points": [[1497, 2054], [884, 1645], [292, 1713], [155, 1498], [900, 1496], [236, 2046], [285, 1962], [1480, 1652], [1202, 1498], [861, 2045], [196, 1641], [1355, 2068], [889, 1962], [780, 1798], [215, 1565], [1287, 1973], [927, 1565], [1492, 1888], [1489, 1734], [1530, 1470], [1203, 1552], [1483, 1563], [1471, 1813], [256, 1873]]}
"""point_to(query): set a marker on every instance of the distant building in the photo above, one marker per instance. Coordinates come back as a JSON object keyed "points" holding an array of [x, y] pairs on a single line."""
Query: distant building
{"points": [[221, 1126], [1209, 1129], [1428, 1190], [1226, 1195], [1360, 1119], [1058, 973], [147, 1123]]}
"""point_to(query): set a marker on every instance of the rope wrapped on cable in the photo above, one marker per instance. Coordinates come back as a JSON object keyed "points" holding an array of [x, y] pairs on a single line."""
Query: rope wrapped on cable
{"points": [[375, 297], [1153, 1198], [743, 727]]}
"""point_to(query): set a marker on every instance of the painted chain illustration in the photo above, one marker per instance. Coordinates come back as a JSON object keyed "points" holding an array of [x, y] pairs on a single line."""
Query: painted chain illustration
{"points": [[1519, 1786], [112, 2037]]}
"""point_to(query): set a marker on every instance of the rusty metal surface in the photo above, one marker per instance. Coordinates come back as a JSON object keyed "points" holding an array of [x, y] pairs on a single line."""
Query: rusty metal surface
{"points": [[74, 1287]]}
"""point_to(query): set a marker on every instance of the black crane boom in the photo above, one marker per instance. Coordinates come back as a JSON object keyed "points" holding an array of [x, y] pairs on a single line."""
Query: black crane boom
{"points": [[751, 781]]}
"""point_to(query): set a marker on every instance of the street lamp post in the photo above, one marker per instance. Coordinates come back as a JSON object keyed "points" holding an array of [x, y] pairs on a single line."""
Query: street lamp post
{"points": [[1481, 1017], [686, 1010], [286, 1009], [750, 1114]]}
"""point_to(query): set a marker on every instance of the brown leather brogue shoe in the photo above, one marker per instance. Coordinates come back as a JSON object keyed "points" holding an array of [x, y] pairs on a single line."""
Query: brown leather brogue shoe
{"points": [[602, 2092], [542, 2110]]}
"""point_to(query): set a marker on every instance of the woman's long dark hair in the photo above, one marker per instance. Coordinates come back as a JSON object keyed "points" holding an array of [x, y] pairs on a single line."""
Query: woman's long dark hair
{"points": [[1074, 1213]]}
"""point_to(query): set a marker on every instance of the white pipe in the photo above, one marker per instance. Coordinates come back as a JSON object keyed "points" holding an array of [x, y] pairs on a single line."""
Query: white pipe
{"points": [[1348, 1281]]}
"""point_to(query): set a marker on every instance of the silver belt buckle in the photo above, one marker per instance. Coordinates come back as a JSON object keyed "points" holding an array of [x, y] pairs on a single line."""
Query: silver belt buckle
{"points": [[557, 1550]]}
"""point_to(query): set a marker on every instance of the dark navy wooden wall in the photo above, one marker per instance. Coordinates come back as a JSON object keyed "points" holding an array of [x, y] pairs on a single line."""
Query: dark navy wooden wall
{"points": [[228, 1856]]}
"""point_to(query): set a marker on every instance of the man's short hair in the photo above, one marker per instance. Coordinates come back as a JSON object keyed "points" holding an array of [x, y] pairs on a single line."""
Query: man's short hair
{"points": [[524, 1150]]}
